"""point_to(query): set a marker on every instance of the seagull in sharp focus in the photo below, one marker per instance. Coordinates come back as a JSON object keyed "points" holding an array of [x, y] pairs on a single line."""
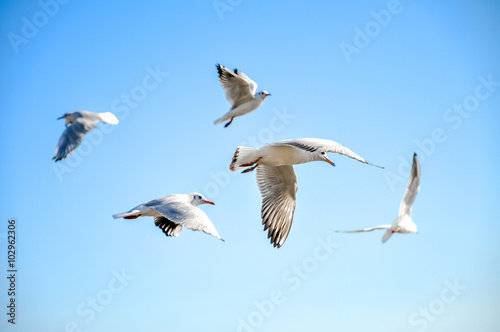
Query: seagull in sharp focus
{"points": [[403, 223], [277, 180], [78, 124], [174, 211], [240, 92]]}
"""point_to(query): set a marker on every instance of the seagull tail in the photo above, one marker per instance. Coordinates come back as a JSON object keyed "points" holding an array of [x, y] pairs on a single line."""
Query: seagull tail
{"points": [[243, 157], [387, 235], [109, 117], [222, 119], [125, 215]]}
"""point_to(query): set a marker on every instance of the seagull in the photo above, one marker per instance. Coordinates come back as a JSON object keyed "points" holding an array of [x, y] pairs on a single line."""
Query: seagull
{"points": [[277, 180], [78, 124], [240, 92], [403, 223], [174, 211]]}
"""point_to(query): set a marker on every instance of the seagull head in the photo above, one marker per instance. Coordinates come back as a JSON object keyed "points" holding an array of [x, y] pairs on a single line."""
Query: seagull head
{"points": [[263, 94], [321, 156], [70, 118], [198, 199]]}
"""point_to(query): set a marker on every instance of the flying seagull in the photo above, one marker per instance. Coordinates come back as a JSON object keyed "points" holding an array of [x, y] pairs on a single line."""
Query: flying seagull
{"points": [[78, 124], [276, 178], [403, 223], [174, 211], [240, 92]]}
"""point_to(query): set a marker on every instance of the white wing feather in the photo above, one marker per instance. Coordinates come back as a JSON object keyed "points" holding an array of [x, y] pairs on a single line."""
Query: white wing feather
{"points": [[316, 144], [278, 186], [237, 89]]}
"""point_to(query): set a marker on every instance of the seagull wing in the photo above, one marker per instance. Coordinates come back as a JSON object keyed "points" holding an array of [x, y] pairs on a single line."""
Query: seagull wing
{"points": [[367, 229], [278, 186], [412, 188], [316, 144], [168, 227], [252, 84], [108, 117], [72, 137], [187, 215], [237, 89]]}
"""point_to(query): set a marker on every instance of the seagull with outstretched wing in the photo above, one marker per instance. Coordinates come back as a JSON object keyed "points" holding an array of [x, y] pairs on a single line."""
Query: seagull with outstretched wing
{"points": [[403, 223], [172, 212], [276, 177], [78, 124], [240, 92]]}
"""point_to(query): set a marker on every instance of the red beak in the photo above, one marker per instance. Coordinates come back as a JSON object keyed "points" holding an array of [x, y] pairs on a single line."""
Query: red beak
{"points": [[268, 94], [209, 202]]}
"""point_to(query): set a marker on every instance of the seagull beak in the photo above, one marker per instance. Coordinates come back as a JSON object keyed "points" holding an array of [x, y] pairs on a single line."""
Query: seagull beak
{"points": [[209, 202], [268, 94], [329, 161]]}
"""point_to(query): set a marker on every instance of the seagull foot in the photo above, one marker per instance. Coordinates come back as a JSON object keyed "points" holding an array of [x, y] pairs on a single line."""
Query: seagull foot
{"points": [[250, 164], [227, 124], [250, 169]]}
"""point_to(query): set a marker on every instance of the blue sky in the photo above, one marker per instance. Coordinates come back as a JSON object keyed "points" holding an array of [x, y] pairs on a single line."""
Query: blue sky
{"points": [[384, 78]]}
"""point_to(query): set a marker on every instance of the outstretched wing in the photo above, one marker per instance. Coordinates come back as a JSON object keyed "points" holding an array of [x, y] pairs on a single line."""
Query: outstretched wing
{"points": [[278, 186], [316, 144], [412, 188], [367, 229], [237, 89], [252, 84], [72, 137], [187, 215]]}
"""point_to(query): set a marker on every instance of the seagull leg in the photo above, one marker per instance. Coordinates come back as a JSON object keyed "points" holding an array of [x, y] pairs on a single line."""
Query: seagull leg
{"points": [[250, 164], [132, 217], [250, 169], [227, 124]]}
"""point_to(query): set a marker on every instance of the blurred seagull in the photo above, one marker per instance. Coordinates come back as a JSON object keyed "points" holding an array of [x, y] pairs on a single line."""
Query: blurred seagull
{"points": [[403, 223], [174, 211], [276, 178], [240, 92], [78, 124]]}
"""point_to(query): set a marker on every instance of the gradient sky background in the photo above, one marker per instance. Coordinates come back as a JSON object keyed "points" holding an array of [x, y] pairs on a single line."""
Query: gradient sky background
{"points": [[395, 96]]}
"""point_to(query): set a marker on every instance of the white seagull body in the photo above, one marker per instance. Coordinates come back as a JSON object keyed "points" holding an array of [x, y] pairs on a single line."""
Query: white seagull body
{"points": [[174, 211], [277, 180], [240, 92], [78, 124], [403, 223]]}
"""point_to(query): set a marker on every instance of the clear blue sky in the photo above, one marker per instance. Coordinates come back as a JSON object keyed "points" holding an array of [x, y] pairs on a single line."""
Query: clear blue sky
{"points": [[384, 78]]}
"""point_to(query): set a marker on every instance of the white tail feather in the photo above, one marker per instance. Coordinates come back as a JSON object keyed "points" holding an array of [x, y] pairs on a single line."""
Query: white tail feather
{"points": [[222, 119], [387, 235], [125, 214], [243, 155]]}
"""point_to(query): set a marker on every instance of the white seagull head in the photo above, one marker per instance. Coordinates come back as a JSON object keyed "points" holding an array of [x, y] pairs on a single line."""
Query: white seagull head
{"points": [[321, 156], [70, 118], [198, 199], [262, 94]]}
